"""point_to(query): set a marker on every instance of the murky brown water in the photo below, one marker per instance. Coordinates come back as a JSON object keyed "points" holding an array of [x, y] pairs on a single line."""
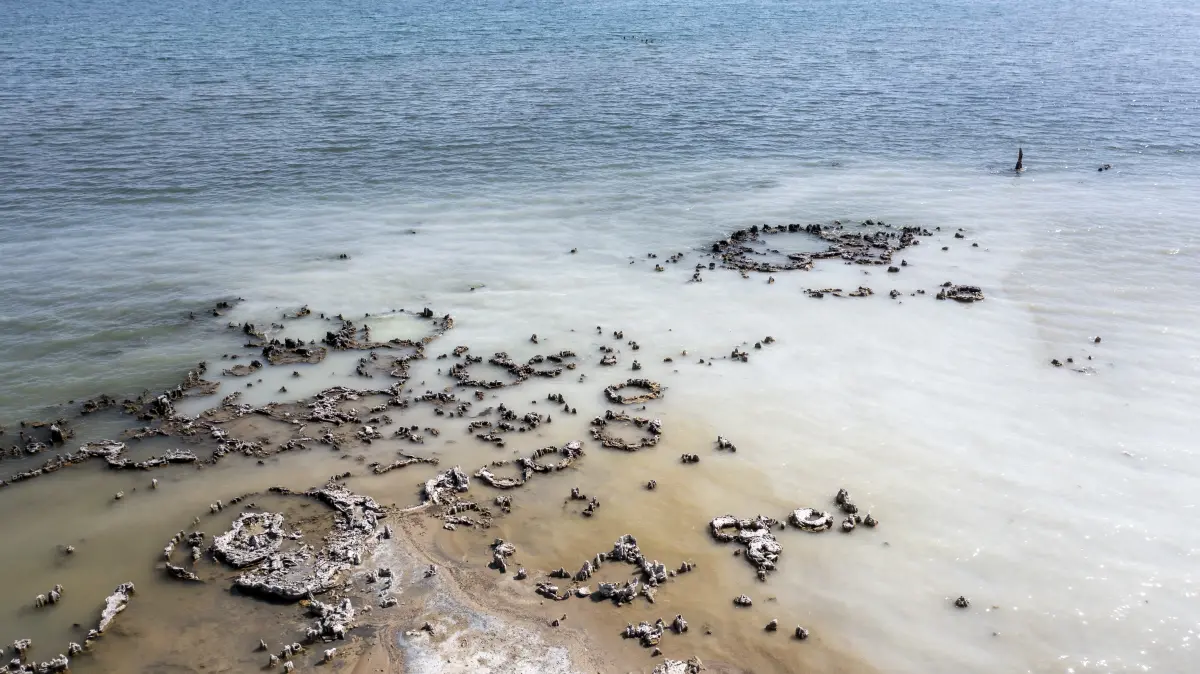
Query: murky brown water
{"points": [[173, 626]]}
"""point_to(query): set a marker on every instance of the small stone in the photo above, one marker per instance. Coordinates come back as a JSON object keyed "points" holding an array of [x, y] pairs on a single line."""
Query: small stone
{"points": [[120, 495], [772, 626], [801, 633], [262, 645], [1056, 363], [154, 483], [1096, 341], [962, 602], [742, 600]]}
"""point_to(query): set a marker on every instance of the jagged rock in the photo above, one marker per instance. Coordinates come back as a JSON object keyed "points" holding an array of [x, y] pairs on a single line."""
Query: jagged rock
{"points": [[962, 602], [501, 550], [330, 654], [772, 626], [810, 519], [801, 633], [679, 625], [115, 603], [252, 538], [870, 520], [761, 547], [960, 293], [648, 634], [652, 390], [442, 488], [584, 572], [690, 458], [180, 573], [723, 443], [380, 469], [332, 621], [742, 600], [692, 666]]}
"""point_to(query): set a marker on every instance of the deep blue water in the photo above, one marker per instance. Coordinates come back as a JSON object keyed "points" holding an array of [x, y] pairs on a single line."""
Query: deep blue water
{"points": [[105, 102]]}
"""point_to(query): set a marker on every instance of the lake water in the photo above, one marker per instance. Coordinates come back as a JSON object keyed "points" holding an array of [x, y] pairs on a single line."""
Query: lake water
{"points": [[155, 159]]}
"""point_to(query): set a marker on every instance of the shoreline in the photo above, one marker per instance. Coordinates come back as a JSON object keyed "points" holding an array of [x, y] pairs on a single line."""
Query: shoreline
{"points": [[266, 433]]}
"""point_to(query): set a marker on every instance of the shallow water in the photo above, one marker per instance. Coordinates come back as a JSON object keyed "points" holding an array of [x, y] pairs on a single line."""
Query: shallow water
{"points": [[154, 162]]}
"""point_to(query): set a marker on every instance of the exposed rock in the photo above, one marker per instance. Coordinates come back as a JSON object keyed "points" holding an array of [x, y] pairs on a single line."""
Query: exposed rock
{"points": [[252, 538], [960, 293], [679, 625], [801, 633], [291, 352], [692, 666], [501, 551], [742, 600], [761, 547], [810, 519], [652, 427], [442, 488], [648, 634], [962, 602], [772, 626], [871, 243], [379, 469], [333, 622], [115, 603], [180, 573], [651, 391]]}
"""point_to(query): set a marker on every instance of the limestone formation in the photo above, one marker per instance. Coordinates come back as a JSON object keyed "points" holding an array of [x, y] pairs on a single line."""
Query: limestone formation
{"points": [[810, 519], [601, 433], [649, 391], [762, 549], [252, 538], [116, 602], [442, 488]]}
